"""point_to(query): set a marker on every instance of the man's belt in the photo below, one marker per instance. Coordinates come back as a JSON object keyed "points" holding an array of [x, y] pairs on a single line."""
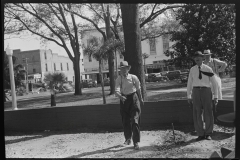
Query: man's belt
{"points": [[200, 87], [127, 95]]}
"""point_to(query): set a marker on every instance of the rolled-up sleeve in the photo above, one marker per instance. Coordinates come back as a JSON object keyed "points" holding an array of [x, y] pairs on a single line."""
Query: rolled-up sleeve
{"points": [[117, 86]]}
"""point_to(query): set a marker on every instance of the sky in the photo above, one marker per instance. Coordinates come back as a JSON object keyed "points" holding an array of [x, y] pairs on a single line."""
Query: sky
{"points": [[27, 43]]}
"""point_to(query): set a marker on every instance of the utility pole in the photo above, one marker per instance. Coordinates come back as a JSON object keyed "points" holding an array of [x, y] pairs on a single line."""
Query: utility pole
{"points": [[25, 60]]}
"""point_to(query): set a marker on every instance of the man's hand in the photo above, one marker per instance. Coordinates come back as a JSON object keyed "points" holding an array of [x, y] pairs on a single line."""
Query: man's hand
{"points": [[123, 98], [142, 102], [215, 102], [190, 101]]}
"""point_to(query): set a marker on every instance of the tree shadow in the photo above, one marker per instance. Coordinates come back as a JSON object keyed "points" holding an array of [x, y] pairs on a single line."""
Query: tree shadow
{"points": [[110, 149], [23, 139], [221, 135]]}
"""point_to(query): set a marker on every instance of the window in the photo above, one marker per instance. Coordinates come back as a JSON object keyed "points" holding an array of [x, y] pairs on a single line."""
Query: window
{"points": [[67, 67], [165, 46], [34, 70], [66, 78], [90, 58], [45, 55], [61, 67], [54, 67], [46, 67], [152, 44]]}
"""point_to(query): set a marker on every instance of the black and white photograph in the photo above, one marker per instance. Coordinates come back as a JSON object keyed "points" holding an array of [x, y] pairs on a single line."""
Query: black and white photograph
{"points": [[119, 80]]}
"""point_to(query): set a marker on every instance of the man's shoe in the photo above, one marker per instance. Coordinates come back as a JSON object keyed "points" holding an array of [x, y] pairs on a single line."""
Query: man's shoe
{"points": [[200, 138], [127, 142], [136, 146], [208, 137]]}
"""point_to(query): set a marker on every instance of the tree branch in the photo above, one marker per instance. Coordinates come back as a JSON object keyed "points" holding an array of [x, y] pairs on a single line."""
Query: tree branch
{"points": [[95, 11], [42, 21], [154, 15], [76, 32], [50, 39], [66, 26], [156, 36], [89, 20]]}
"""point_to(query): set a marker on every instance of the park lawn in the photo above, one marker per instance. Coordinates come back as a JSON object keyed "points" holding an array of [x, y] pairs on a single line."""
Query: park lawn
{"points": [[93, 96]]}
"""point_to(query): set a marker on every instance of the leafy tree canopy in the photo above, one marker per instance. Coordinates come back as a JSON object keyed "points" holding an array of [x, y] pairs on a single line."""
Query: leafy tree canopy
{"points": [[204, 26]]}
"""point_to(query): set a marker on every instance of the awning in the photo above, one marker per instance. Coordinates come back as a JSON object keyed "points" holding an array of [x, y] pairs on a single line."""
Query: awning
{"points": [[95, 72]]}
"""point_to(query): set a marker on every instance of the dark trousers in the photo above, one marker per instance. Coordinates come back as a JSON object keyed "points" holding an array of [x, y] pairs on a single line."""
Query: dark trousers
{"points": [[130, 111]]}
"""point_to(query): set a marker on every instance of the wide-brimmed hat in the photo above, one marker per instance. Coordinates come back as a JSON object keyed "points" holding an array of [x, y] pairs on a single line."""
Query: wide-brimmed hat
{"points": [[124, 64], [198, 54], [207, 52]]}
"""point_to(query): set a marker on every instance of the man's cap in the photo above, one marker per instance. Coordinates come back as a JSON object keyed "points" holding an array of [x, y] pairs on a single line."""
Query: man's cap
{"points": [[198, 54], [124, 64], [207, 52]]}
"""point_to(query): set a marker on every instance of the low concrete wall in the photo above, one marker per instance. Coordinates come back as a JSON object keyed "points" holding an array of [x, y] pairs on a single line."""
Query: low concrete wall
{"points": [[154, 114]]}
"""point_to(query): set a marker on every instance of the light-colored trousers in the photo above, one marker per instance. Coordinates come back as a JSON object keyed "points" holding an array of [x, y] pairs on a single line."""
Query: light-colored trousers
{"points": [[202, 104], [219, 87]]}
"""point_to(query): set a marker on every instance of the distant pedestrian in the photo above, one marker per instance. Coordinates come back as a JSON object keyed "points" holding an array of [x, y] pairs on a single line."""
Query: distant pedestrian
{"points": [[199, 96], [128, 89]]}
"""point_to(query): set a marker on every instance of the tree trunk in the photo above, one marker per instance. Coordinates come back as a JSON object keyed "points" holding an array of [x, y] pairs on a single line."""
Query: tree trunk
{"points": [[132, 37], [116, 62], [145, 69], [102, 82], [78, 89], [111, 54]]}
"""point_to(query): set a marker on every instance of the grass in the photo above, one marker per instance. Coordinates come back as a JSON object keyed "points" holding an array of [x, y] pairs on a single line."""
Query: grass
{"points": [[93, 96]]}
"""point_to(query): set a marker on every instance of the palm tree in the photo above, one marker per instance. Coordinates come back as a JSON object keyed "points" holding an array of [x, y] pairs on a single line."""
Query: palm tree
{"points": [[116, 45], [145, 56], [53, 80], [99, 52]]}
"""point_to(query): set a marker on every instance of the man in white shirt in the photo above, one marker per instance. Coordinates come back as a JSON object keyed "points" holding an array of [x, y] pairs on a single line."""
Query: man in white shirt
{"points": [[200, 95], [128, 89]]}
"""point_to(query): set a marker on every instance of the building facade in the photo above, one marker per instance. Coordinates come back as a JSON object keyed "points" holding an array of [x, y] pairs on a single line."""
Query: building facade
{"points": [[155, 48], [40, 62]]}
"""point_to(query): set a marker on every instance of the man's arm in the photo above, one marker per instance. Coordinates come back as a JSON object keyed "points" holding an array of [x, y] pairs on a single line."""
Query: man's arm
{"points": [[222, 65], [189, 85], [138, 88], [117, 88]]}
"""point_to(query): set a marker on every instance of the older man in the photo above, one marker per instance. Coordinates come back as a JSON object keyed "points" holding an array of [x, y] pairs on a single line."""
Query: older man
{"points": [[199, 94], [129, 91], [217, 67]]}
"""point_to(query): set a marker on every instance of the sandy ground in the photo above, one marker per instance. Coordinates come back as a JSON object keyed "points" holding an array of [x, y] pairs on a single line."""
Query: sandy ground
{"points": [[53, 144]]}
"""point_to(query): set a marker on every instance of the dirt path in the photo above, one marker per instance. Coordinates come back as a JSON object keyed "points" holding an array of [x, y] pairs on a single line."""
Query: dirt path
{"points": [[109, 145]]}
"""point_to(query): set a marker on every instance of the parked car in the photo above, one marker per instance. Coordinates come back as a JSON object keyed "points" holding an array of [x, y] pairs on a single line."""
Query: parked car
{"points": [[159, 78], [151, 76], [106, 82], [156, 77], [87, 83], [164, 73], [173, 74]]}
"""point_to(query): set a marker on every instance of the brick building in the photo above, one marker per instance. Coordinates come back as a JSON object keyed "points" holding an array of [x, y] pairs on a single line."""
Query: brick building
{"points": [[40, 62]]}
